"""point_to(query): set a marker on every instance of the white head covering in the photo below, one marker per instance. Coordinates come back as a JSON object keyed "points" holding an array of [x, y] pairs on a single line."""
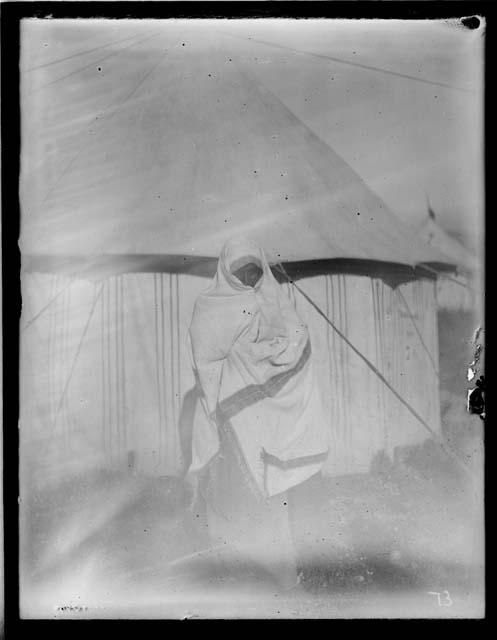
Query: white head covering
{"points": [[228, 306]]}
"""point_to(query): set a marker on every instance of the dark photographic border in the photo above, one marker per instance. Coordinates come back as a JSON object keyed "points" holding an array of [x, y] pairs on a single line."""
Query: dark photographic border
{"points": [[11, 15]]}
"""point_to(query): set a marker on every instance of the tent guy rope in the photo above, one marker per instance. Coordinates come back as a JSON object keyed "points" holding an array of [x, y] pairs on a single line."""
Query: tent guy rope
{"points": [[91, 64], [358, 65], [78, 351], [45, 307], [413, 411], [76, 55]]}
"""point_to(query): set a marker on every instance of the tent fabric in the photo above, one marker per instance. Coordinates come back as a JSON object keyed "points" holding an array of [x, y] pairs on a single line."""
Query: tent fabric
{"points": [[433, 234], [364, 417], [125, 378], [171, 149], [452, 296], [166, 148], [456, 296]]}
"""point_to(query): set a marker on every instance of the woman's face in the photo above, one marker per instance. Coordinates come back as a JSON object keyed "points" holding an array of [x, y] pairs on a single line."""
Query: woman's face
{"points": [[249, 274]]}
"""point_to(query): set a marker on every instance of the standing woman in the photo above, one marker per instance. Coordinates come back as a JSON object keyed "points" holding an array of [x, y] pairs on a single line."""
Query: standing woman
{"points": [[260, 429]]}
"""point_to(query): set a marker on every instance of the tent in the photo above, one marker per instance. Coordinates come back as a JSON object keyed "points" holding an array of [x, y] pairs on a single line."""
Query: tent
{"points": [[136, 166], [458, 293]]}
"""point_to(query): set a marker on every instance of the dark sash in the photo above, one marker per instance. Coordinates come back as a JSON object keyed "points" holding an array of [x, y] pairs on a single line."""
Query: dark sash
{"points": [[294, 462], [230, 406]]}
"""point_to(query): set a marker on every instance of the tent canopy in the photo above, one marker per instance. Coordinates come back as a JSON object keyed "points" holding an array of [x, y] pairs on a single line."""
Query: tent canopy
{"points": [[440, 240], [168, 144]]}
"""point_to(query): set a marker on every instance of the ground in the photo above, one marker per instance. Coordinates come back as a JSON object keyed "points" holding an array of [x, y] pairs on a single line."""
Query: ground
{"points": [[381, 544]]}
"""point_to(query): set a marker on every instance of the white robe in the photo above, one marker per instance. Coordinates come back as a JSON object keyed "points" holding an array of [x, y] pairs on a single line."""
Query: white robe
{"points": [[253, 361]]}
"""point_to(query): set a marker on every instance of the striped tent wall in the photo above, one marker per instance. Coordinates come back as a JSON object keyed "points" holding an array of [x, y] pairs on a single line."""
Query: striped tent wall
{"points": [[396, 330], [105, 366]]}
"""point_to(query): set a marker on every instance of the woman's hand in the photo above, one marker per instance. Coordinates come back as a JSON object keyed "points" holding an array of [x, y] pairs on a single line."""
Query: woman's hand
{"points": [[279, 351], [268, 349]]}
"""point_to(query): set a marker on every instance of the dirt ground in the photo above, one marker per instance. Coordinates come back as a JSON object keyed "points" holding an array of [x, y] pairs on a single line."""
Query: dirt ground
{"points": [[402, 541]]}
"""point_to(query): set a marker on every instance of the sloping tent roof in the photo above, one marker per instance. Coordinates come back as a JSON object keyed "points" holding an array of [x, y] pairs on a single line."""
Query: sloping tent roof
{"points": [[439, 239], [171, 145]]}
